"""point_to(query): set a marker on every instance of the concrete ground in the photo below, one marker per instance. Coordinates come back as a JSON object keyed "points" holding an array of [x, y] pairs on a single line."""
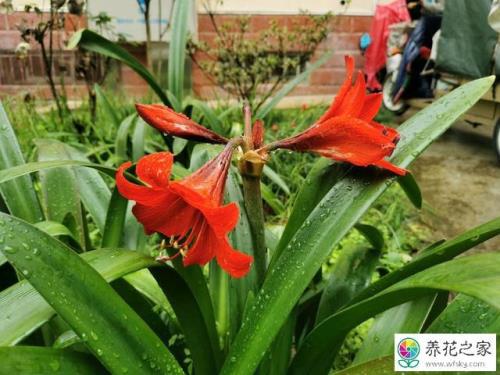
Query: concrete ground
{"points": [[460, 180]]}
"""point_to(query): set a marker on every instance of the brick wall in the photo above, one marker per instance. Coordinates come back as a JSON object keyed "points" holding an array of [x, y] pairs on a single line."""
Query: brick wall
{"points": [[18, 77], [343, 39]]}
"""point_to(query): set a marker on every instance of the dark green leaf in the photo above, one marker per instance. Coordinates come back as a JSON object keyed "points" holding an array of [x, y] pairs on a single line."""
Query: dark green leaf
{"points": [[352, 272], [30, 360], [17, 322], [93, 42], [206, 357], [436, 254], [107, 325], [476, 275], [18, 195], [121, 142], [60, 193], [321, 178], [411, 188], [177, 49], [372, 234], [408, 318], [115, 220]]}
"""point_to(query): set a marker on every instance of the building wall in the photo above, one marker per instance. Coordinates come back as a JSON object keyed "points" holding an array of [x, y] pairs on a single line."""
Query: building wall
{"points": [[280, 7]]}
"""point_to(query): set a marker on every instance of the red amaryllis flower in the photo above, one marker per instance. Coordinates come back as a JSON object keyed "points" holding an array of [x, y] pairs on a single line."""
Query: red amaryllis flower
{"points": [[189, 211], [168, 121], [346, 131]]}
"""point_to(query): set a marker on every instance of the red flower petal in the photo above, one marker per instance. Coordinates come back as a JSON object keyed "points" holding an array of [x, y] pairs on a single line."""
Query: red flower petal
{"points": [[236, 263], [204, 248], [391, 167], [154, 169], [209, 181], [177, 124], [371, 107], [222, 219], [343, 91], [347, 132], [135, 192]]}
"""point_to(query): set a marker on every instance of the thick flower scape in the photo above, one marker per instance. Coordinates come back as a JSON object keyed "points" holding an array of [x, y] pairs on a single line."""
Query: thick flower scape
{"points": [[190, 211]]}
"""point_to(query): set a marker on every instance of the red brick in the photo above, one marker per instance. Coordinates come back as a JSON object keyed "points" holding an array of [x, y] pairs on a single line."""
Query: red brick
{"points": [[129, 77], [327, 76]]}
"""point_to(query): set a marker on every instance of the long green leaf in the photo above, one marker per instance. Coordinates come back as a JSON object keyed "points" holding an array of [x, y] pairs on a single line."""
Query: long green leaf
{"points": [[411, 189], [94, 191], [18, 195], [106, 105], [206, 357], [21, 170], [476, 275], [93, 42], [115, 220], [327, 224], [408, 318], [436, 254], [321, 178], [29, 360], [466, 314], [177, 49], [86, 302], [352, 272], [384, 365], [60, 193], [288, 87], [121, 141], [194, 278], [16, 323]]}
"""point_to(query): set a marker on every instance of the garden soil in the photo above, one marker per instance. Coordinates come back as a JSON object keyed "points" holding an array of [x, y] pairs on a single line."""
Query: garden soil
{"points": [[460, 180]]}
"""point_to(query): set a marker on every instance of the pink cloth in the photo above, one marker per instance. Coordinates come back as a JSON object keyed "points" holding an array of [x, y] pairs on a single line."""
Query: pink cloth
{"points": [[376, 53]]}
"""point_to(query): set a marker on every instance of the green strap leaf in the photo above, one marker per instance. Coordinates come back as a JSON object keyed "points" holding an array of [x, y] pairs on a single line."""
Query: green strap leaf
{"points": [[177, 49], [107, 325], [372, 235], [103, 101], [93, 42], [408, 318], [327, 224], [476, 275], [323, 175], [206, 357], [115, 220], [60, 193], [383, 365], [121, 142], [17, 322], [411, 189], [276, 179], [29, 360], [352, 272], [435, 254], [21, 170], [18, 195]]}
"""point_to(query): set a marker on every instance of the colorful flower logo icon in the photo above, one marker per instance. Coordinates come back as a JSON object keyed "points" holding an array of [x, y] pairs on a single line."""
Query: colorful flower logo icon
{"points": [[408, 350]]}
